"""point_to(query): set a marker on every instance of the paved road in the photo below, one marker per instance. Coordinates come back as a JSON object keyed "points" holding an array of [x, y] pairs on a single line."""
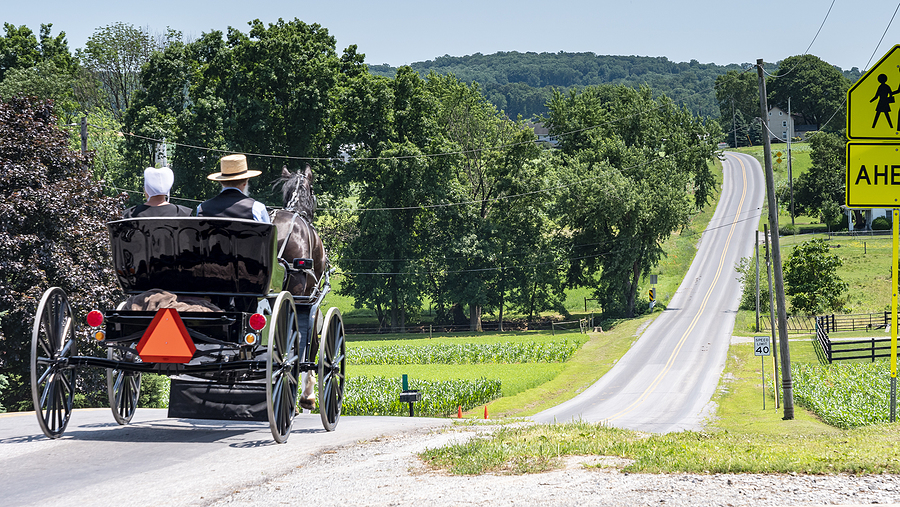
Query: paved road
{"points": [[665, 381], [155, 461]]}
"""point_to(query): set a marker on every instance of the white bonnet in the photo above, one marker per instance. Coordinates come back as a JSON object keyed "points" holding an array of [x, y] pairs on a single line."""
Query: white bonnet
{"points": [[158, 181]]}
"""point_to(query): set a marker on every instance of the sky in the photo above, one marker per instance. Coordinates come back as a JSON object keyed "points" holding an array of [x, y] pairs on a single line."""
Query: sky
{"points": [[399, 32]]}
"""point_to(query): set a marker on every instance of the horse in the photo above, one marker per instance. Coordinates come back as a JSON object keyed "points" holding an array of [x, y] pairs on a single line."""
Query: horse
{"points": [[298, 239]]}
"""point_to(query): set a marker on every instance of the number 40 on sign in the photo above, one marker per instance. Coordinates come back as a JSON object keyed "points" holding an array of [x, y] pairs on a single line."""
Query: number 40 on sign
{"points": [[761, 346]]}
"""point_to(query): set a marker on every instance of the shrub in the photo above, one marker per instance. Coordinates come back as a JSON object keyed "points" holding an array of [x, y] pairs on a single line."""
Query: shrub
{"points": [[52, 233], [881, 224], [746, 269]]}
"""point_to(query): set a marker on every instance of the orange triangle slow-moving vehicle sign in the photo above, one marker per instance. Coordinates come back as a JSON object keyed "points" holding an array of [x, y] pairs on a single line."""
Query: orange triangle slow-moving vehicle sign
{"points": [[166, 340]]}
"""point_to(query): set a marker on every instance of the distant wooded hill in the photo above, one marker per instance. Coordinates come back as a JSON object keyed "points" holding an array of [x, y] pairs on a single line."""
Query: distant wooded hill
{"points": [[521, 83]]}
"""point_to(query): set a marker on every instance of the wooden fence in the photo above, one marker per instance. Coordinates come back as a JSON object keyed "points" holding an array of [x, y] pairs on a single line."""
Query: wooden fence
{"points": [[837, 350], [831, 323]]}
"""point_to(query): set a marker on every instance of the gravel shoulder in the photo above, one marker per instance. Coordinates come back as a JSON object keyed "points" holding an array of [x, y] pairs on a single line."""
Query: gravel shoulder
{"points": [[386, 471]]}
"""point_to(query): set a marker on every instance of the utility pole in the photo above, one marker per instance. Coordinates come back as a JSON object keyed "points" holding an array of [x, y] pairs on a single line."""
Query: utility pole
{"points": [[84, 134], [787, 385], [756, 248], [771, 314], [790, 176], [733, 123]]}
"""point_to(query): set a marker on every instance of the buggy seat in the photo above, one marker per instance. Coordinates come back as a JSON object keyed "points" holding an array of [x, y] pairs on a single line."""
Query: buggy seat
{"points": [[195, 255]]}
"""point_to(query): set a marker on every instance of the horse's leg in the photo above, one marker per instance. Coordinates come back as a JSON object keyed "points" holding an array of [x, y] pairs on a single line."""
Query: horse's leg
{"points": [[308, 395], [308, 378]]}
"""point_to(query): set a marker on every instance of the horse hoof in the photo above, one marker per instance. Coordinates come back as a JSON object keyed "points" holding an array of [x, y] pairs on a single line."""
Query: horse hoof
{"points": [[307, 404]]}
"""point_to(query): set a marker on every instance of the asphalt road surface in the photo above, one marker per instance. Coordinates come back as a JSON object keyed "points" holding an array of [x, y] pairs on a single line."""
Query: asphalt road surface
{"points": [[665, 381], [155, 461]]}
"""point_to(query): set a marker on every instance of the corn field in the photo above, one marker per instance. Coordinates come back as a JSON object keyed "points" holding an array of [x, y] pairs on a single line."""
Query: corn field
{"points": [[845, 395], [381, 396], [467, 353]]}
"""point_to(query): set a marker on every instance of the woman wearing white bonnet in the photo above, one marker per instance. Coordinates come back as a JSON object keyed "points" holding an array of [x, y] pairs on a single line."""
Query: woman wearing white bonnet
{"points": [[157, 185]]}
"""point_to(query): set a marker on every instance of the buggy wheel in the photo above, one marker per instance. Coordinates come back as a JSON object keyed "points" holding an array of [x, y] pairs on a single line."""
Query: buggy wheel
{"points": [[123, 387], [282, 367], [332, 369], [52, 378]]}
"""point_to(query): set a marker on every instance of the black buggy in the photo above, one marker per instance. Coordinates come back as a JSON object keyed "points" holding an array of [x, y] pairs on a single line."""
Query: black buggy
{"points": [[224, 363]]}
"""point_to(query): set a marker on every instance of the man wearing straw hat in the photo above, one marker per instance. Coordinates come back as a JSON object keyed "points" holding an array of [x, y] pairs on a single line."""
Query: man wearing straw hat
{"points": [[233, 201]]}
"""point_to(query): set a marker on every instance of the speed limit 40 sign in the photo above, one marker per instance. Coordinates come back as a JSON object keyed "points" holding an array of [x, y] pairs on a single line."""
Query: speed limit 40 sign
{"points": [[761, 346]]}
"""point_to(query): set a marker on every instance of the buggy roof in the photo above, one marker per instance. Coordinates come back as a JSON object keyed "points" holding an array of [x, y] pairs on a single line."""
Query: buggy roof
{"points": [[193, 255]]}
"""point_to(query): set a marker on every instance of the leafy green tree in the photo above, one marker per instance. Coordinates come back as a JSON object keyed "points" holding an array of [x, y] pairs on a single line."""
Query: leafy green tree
{"points": [[492, 152], [817, 91], [273, 90], [52, 233], [737, 92], [811, 279], [386, 249], [635, 169], [44, 81], [20, 49], [819, 192], [746, 270], [114, 55]]}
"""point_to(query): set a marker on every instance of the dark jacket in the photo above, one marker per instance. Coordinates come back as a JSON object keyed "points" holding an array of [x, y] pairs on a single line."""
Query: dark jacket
{"points": [[166, 210], [230, 203]]}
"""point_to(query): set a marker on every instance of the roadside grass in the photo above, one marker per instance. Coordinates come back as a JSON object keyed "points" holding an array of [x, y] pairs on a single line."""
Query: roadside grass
{"points": [[743, 438]]}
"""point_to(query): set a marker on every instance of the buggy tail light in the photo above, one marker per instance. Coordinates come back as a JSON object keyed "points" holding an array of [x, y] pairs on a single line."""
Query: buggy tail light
{"points": [[95, 318], [99, 335], [257, 321], [250, 339]]}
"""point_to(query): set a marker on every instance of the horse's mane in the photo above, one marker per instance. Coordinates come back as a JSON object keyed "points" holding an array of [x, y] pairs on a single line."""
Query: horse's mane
{"points": [[297, 193]]}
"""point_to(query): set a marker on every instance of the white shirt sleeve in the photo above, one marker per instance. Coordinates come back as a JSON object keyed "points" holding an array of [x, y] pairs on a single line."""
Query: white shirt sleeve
{"points": [[260, 214]]}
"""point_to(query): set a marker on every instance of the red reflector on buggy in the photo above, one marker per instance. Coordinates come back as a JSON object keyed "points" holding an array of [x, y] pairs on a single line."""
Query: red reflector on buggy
{"points": [[257, 321], [166, 340], [94, 318]]}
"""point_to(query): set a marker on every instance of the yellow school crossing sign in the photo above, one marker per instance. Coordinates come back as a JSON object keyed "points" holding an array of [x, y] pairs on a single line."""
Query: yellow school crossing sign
{"points": [[873, 131], [873, 167]]}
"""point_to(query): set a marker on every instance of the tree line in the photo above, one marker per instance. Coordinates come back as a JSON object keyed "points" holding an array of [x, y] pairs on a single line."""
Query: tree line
{"points": [[523, 83]]}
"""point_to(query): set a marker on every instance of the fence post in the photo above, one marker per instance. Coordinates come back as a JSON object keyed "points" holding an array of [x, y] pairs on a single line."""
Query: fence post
{"points": [[552, 329], [873, 349]]}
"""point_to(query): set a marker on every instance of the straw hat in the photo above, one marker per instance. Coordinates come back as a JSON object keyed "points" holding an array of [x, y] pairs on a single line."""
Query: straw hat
{"points": [[234, 167]]}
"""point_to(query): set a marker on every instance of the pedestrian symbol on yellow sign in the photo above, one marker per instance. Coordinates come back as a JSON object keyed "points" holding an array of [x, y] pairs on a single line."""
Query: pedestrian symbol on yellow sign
{"points": [[885, 97], [870, 101]]}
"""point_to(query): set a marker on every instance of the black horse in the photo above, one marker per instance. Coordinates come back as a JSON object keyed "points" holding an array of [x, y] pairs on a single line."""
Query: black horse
{"points": [[298, 239]]}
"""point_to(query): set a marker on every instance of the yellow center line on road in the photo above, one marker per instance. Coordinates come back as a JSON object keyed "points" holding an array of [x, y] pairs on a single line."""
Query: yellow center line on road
{"points": [[680, 344]]}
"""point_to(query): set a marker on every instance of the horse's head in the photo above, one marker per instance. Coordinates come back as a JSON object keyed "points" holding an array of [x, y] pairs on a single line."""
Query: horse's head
{"points": [[297, 191]]}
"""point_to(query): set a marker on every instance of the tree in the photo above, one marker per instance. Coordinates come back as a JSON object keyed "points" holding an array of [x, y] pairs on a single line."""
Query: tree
{"points": [[114, 55], [272, 91], [634, 170], [492, 152], [817, 91], [20, 49], [819, 192], [52, 233], [737, 92], [386, 249], [811, 279]]}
